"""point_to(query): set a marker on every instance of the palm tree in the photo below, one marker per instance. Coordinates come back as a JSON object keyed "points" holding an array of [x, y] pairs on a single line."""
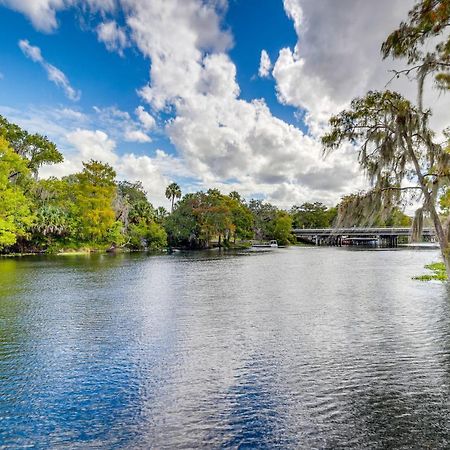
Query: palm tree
{"points": [[173, 191]]}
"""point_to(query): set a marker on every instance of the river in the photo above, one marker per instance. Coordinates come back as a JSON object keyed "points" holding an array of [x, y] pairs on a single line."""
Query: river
{"points": [[290, 348]]}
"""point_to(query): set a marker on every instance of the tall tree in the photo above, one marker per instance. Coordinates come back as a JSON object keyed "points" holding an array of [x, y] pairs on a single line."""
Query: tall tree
{"points": [[283, 228], [173, 191], [35, 148], [15, 208], [95, 191], [397, 151], [264, 215]]}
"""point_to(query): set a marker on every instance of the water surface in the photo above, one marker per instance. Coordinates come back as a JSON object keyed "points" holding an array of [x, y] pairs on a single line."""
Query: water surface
{"points": [[292, 348]]}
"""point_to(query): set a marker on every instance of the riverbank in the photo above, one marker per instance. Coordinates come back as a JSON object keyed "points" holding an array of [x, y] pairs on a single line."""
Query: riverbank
{"points": [[117, 250]]}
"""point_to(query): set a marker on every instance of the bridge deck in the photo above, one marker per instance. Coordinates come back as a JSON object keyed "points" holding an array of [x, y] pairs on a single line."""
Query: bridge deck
{"points": [[360, 232]]}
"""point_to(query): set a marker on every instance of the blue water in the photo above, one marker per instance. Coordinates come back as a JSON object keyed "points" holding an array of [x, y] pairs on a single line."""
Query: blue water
{"points": [[291, 348]]}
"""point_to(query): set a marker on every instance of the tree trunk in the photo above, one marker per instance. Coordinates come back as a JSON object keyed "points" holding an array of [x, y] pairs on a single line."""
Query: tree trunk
{"points": [[446, 252], [441, 234]]}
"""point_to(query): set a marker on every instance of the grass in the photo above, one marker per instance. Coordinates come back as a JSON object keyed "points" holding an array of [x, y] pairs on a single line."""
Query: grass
{"points": [[439, 273]]}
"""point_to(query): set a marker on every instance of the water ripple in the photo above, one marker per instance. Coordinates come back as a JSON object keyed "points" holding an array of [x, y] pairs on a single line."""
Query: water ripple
{"points": [[298, 348]]}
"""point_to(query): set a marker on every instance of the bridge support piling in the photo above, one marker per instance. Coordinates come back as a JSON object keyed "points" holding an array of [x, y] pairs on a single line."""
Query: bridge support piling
{"points": [[383, 236]]}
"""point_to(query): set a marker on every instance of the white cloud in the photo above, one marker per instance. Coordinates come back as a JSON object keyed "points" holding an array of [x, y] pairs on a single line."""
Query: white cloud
{"points": [[223, 139], [71, 114], [337, 57], [34, 53], [229, 142], [147, 120], [136, 136], [146, 170], [175, 34], [53, 73], [265, 65], [121, 126], [93, 145], [113, 36], [42, 13]]}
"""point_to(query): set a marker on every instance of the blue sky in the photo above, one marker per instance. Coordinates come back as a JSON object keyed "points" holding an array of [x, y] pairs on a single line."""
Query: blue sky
{"points": [[170, 90]]}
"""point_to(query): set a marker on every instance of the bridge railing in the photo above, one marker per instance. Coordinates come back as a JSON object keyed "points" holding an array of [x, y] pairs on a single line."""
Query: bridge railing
{"points": [[360, 231]]}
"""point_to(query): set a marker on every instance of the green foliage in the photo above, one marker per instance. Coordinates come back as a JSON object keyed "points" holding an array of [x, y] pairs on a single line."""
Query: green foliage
{"points": [[35, 148], [181, 226], [395, 146], [444, 201], [242, 218], [283, 228], [355, 210], [202, 217], [439, 273], [156, 236], [313, 215], [94, 193], [397, 218], [173, 191], [427, 24], [138, 218], [15, 211], [147, 235], [264, 215]]}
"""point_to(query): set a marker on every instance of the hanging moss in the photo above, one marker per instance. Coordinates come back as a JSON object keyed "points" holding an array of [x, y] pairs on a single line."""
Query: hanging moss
{"points": [[417, 226]]}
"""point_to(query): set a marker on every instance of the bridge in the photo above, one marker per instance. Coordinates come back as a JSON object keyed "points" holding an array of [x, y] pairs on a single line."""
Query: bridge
{"points": [[357, 236]]}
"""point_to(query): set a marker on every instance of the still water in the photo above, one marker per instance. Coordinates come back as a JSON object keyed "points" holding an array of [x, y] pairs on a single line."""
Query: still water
{"points": [[291, 348]]}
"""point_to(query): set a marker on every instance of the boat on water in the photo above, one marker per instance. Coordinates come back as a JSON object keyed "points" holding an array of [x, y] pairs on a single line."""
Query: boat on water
{"points": [[270, 244]]}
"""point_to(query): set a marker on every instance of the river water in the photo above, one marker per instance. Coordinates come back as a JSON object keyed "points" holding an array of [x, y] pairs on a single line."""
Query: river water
{"points": [[290, 348]]}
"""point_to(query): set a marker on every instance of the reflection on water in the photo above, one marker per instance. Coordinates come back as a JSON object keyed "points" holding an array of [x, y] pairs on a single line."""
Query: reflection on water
{"points": [[293, 348]]}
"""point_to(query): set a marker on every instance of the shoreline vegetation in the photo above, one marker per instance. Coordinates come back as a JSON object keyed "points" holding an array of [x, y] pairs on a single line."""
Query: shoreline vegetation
{"points": [[404, 159], [438, 270], [91, 211]]}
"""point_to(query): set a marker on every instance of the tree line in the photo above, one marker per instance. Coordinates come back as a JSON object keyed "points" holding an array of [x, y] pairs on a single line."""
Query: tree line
{"points": [[397, 150], [91, 209]]}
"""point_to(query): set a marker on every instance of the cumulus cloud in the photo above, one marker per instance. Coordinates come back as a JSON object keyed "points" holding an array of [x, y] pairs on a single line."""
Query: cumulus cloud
{"points": [[53, 73], [147, 120], [113, 36], [93, 145], [337, 58], [224, 139], [265, 65]]}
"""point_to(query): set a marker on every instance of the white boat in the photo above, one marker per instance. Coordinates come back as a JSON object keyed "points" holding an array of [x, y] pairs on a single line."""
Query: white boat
{"points": [[270, 244]]}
